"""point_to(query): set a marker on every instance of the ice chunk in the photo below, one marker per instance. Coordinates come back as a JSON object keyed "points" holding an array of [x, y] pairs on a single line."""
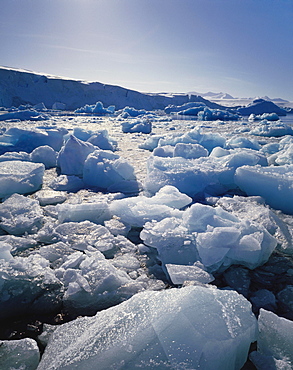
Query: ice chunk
{"points": [[103, 169], [274, 184], [72, 156], [192, 327], [28, 286], [261, 106], [67, 183], [92, 283], [209, 234], [136, 211], [96, 212], [151, 142], [132, 112], [20, 215], [116, 227], [15, 156], [101, 139], [23, 115], [181, 273], [269, 129], [193, 177], [274, 344], [190, 151], [208, 114], [97, 108], [46, 197], [44, 154], [17, 243], [164, 151], [20, 177], [139, 125], [19, 354], [80, 235], [5, 252], [242, 142]]}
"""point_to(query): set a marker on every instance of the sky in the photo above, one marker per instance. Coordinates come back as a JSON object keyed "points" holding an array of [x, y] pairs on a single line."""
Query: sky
{"points": [[242, 47]]}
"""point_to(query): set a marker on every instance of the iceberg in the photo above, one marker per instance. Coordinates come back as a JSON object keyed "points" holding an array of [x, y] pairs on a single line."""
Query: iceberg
{"points": [[192, 327], [140, 125]]}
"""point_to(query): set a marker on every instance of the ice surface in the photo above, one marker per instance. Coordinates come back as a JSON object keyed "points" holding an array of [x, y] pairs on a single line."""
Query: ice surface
{"points": [[20, 354], [273, 183], [177, 328], [274, 344], [20, 215], [210, 235], [20, 177], [30, 114]]}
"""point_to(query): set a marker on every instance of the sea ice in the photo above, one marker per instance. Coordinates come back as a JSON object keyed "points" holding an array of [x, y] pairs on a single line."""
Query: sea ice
{"points": [[72, 156], [274, 344], [20, 215], [139, 125], [104, 169], [28, 286], [44, 154], [46, 197], [136, 211], [97, 108], [272, 183], [20, 177], [210, 235], [67, 183], [182, 273], [216, 114], [20, 354], [96, 212], [192, 327]]}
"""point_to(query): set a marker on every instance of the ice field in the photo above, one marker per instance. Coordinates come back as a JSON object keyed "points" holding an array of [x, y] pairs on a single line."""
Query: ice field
{"points": [[137, 238]]}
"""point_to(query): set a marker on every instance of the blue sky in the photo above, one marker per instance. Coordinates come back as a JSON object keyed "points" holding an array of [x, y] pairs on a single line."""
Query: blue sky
{"points": [[243, 47]]}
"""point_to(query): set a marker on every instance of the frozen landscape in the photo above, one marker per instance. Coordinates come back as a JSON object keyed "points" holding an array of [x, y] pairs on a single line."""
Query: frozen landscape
{"points": [[143, 230]]}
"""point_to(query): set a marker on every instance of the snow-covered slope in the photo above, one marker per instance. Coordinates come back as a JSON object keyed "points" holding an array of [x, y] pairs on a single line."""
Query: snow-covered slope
{"points": [[19, 86]]}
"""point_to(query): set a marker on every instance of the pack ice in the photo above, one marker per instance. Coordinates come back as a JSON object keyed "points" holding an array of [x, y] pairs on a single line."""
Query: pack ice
{"points": [[188, 328]]}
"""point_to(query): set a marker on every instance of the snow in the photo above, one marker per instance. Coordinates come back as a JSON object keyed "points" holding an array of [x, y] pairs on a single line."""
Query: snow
{"points": [[178, 328]]}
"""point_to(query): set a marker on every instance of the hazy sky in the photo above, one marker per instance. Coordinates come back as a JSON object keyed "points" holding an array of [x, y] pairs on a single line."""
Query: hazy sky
{"points": [[243, 47]]}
